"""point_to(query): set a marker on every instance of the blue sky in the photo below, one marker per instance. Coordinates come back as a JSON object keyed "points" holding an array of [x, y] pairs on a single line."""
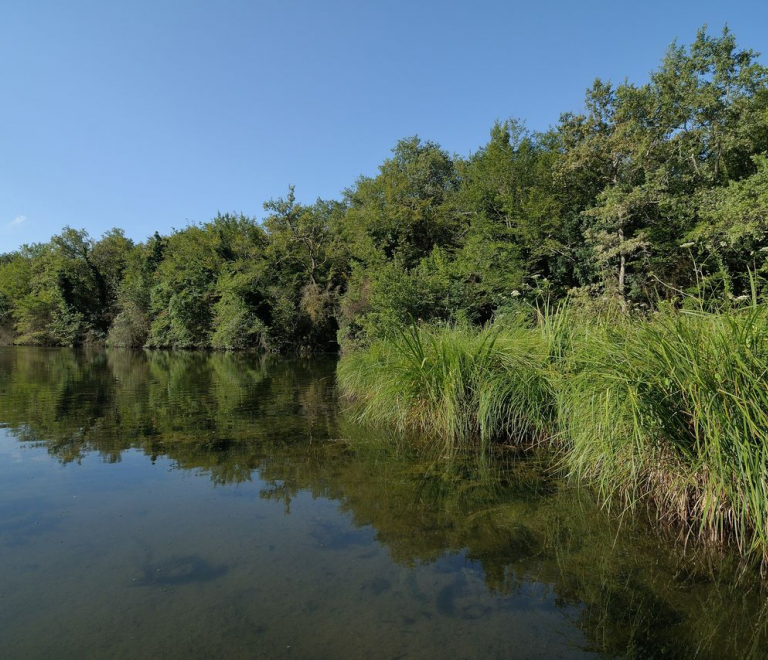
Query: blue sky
{"points": [[152, 114]]}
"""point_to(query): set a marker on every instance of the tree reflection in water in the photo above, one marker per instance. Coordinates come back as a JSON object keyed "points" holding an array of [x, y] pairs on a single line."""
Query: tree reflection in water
{"points": [[230, 417]]}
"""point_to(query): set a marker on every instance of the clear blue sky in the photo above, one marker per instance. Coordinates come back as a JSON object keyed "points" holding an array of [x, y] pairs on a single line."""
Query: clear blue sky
{"points": [[152, 114]]}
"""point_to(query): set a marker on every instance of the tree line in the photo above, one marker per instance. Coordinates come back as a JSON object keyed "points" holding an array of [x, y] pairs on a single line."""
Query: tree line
{"points": [[650, 193]]}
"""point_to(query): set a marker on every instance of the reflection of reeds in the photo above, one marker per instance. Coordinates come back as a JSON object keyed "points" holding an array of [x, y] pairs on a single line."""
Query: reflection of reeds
{"points": [[630, 591]]}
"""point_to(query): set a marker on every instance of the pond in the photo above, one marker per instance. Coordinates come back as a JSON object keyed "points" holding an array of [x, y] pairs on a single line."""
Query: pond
{"points": [[208, 505]]}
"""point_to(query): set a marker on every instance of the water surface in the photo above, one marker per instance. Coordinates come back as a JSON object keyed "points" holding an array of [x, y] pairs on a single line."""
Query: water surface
{"points": [[195, 505]]}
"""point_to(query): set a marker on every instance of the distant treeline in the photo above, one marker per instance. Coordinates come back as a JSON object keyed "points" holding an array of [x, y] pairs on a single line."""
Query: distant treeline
{"points": [[651, 192]]}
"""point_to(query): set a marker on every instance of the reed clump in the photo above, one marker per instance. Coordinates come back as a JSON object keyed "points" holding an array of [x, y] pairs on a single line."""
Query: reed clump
{"points": [[674, 411], [458, 384], [669, 410]]}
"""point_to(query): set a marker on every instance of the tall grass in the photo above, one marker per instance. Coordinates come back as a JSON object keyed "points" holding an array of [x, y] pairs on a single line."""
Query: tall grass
{"points": [[670, 410], [457, 384], [675, 411]]}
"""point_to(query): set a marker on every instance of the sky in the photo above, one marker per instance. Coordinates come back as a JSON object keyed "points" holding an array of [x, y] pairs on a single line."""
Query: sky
{"points": [[152, 114]]}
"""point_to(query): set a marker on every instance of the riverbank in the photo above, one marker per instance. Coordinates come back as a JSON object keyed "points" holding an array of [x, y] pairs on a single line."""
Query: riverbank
{"points": [[669, 412]]}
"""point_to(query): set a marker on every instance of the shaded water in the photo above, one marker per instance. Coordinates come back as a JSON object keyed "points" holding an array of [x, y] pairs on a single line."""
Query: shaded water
{"points": [[219, 506]]}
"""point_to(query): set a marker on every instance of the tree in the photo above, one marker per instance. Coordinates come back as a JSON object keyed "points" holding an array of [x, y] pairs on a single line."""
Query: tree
{"points": [[402, 211], [309, 265]]}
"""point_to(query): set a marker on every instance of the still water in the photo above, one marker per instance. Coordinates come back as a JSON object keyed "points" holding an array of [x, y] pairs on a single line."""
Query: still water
{"points": [[193, 505]]}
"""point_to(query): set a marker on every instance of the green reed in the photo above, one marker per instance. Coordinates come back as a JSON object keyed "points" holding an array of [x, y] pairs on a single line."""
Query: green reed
{"points": [[675, 411], [669, 411], [458, 384]]}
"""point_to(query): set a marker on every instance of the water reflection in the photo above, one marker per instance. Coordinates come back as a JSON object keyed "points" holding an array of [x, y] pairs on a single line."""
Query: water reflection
{"points": [[476, 542]]}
